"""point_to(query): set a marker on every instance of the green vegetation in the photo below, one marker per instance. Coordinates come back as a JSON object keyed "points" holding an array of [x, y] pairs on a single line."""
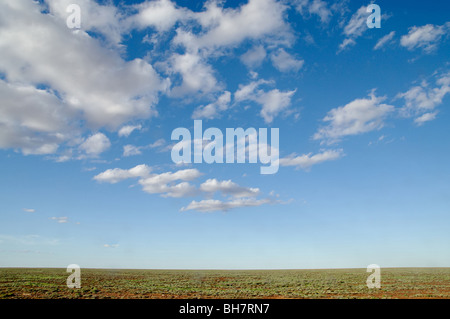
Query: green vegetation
{"points": [[20, 283]]}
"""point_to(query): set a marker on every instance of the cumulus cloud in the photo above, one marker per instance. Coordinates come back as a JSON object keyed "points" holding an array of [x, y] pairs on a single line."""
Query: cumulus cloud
{"points": [[177, 184], [356, 117], [273, 102], [212, 205], [126, 130], [131, 150], [45, 63], [104, 19], [254, 56], [213, 110], [228, 188], [168, 184], [116, 175], [31, 119], [165, 185], [197, 75], [426, 37], [159, 14], [29, 210], [284, 62], [254, 20], [421, 100], [48, 70], [95, 144], [306, 161]]}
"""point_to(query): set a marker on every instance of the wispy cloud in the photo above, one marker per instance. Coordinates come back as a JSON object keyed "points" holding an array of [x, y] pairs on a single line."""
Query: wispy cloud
{"points": [[60, 220], [212, 205], [426, 37], [306, 161], [384, 40], [111, 245]]}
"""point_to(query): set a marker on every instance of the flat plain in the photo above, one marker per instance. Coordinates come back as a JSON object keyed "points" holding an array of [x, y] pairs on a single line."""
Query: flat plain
{"points": [[396, 283]]}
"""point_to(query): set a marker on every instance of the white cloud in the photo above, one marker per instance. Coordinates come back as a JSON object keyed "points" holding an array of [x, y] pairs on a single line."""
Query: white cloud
{"points": [[425, 118], [125, 131], [317, 7], [284, 62], [306, 161], [228, 188], [211, 205], [31, 119], [85, 81], [176, 184], [103, 19], [160, 14], [273, 102], [60, 220], [164, 183], [346, 43], [426, 37], [197, 75], [95, 144], [384, 40], [116, 175], [29, 210], [421, 100], [356, 26], [256, 19], [356, 117], [254, 56], [131, 150], [157, 143], [213, 110]]}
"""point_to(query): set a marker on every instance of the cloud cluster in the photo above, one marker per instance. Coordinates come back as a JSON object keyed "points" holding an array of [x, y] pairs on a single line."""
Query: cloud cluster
{"points": [[60, 77], [59, 84], [177, 184], [421, 100]]}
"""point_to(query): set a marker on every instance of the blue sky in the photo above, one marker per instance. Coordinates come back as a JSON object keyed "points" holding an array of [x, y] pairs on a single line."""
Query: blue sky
{"points": [[86, 116]]}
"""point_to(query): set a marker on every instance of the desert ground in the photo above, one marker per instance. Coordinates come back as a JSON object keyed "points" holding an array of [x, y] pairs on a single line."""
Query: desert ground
{"points": [[396, 283]]}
